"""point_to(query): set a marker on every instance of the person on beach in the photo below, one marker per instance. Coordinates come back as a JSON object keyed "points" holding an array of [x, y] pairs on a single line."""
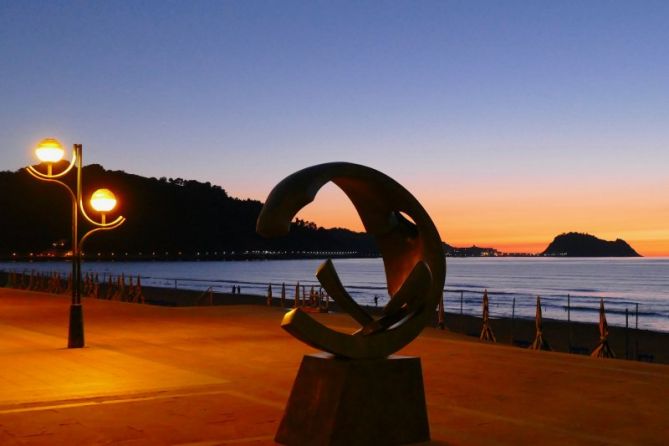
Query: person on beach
{"points": [[376, 300]]}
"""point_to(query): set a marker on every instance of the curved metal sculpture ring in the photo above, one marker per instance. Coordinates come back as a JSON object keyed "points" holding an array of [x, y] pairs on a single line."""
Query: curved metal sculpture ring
{"points": [[412, 254]]}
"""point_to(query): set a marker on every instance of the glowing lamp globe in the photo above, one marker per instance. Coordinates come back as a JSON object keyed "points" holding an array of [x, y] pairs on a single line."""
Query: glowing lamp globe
{"points": [[50, 150], [103, 200]]}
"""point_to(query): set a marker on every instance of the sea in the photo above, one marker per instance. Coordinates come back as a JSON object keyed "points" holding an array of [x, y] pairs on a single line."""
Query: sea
{"points": [[635, 290]]}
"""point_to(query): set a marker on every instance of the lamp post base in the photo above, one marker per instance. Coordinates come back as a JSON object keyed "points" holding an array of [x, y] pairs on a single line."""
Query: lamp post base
{"points": [[76, 334]]}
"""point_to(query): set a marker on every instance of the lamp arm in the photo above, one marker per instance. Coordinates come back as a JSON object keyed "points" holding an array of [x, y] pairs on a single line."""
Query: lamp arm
{"points": [[48, 179], [42, 176], [115, 224]]}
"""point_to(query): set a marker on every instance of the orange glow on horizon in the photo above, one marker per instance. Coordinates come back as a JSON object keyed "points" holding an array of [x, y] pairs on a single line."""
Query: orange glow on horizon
{"points": [[517, 218]]}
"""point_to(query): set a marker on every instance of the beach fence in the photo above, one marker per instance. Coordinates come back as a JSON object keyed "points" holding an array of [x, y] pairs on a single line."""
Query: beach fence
{"points": [[502, 305], [170, 291], [94, 285]]}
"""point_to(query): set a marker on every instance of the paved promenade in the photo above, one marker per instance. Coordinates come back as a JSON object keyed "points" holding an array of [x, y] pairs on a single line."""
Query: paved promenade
{"points": [[222, 375]]}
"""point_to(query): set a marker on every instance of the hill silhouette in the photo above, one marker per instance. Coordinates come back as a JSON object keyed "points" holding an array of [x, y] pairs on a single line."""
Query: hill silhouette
{"points": [[166, 218], [576, 244], [173, 218]]}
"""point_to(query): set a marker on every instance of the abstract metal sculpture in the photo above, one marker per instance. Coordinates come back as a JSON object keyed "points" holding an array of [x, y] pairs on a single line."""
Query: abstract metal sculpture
{"points": [[409, 244], [356, 394]]}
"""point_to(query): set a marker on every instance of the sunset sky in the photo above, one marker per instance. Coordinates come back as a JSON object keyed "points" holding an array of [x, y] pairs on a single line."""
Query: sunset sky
{"points": [[510, 121]]}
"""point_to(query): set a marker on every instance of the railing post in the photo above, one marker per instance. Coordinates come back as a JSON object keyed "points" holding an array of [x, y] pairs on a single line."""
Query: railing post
{"points": [[513, 320], [627, 336], [569, 334], [462, 298], [636, 333]]}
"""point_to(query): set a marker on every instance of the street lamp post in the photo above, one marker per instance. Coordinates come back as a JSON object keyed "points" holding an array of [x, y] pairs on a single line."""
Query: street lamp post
{"points": [[50, 151]]}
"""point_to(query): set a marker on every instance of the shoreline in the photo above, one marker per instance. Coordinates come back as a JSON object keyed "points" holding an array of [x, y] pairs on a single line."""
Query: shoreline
{"points": [[253, 257]]}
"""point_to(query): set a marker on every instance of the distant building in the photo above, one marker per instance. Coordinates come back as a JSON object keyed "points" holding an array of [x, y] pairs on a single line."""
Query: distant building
{"points": [[473, 251]]}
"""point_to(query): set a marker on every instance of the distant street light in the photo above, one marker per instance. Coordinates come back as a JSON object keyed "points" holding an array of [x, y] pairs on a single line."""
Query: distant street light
{"points": [[50, 151]]}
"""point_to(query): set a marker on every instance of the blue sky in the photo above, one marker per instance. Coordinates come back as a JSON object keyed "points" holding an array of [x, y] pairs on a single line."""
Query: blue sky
{"points": [[440, 95]]}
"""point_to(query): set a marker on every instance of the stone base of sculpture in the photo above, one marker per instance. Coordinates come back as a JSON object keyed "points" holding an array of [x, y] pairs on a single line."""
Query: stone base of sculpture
{"points": [[338, 401]]}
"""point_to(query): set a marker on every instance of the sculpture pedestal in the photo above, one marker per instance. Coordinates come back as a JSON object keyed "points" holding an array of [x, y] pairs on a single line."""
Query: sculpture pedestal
{"points": [[338, 401]]}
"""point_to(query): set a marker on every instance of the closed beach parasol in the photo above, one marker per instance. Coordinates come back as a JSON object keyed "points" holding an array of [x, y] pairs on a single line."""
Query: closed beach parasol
{"points": [[603, 350], [486, 332], [539, 341]]}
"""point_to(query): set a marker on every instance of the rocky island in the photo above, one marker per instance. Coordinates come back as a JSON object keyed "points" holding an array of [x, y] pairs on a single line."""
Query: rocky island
{"points": [[576, 244]]}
